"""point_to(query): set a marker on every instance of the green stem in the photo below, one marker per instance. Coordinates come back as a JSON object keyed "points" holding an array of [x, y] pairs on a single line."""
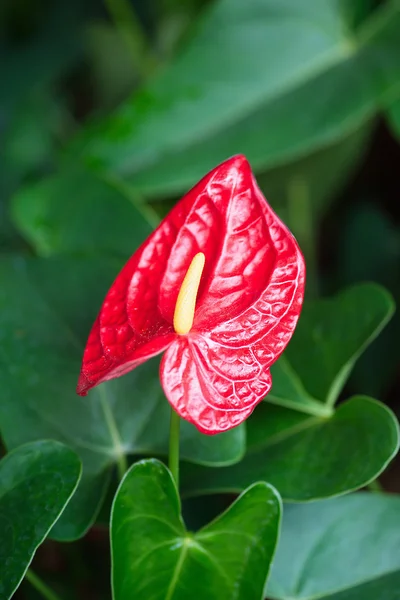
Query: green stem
{"points": [[126, 21], [122, 465], [174, 446], [40, 586], [302, 224]]}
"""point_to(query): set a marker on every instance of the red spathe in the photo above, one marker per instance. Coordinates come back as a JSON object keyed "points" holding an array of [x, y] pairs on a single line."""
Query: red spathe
{"points": [[248, 304]]}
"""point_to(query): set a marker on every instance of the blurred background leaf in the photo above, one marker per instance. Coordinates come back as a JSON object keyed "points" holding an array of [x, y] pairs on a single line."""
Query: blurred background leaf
{"points": [[220, 96], [394, 117], [369, 232], [77, 213], [326, 551]]}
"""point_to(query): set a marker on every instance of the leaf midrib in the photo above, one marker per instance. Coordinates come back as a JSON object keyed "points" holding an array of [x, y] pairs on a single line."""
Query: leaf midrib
{"points": [[177, 570], [326, 60]]}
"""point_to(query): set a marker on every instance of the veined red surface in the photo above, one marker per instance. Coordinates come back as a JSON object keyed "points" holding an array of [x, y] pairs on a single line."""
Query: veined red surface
{"points": [[248, 303]]}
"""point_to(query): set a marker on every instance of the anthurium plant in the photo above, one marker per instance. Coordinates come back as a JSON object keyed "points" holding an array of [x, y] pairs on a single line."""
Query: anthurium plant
{"points": [[199, 344], [218, 288]]}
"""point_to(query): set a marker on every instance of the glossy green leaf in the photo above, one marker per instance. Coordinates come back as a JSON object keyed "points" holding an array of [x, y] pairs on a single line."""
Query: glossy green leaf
{"points": [[342, 549], [154, 556], [36, 482], [307, 458], [76, 212], [47, 308], [288, 391], [331, 335], [226, 92]]}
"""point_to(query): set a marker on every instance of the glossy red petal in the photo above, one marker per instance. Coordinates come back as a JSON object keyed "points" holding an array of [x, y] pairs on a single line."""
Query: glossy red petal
{"points": [[213, 400], [246, 256], [248, 304], [130, 327], [268, 323], [224, 220], [215, 378], [135, 321]]}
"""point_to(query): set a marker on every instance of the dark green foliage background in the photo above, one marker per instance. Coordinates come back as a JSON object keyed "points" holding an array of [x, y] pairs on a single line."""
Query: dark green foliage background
{"points": [[109, 111]]}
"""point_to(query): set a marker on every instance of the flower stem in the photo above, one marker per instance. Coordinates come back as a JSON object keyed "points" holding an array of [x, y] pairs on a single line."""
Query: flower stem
{"points": [[174, 446], [40, 586]]}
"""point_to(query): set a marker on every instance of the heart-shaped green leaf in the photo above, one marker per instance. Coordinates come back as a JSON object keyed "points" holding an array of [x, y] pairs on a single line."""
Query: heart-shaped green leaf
{"points": [[342, 549], [47, 308], [154, 556], [330, 336], [36, 482], [78, 213], [307, 458], [226, 92], [288, 391]]}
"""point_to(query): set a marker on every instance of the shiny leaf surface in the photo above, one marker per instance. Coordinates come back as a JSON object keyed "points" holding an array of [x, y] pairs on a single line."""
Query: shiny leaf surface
{"points": [[221, 96], [308, 458], [154, 556], [42, 335], [288, 391], [342, 549], [248, 302], [331, 335], [36, 482]]}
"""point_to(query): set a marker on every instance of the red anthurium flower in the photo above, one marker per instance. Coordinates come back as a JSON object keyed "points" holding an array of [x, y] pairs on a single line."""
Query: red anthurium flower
{"points": [[239, 275]]}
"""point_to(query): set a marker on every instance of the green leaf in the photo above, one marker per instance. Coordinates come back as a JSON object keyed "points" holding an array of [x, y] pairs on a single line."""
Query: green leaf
{"points": [[288, 391], [307, 458], [226, 92], [322, 173], [331, 335], [32, 64], [341, 549], [154, 556], [36, 482], [76, 212], [369, 232], [47, 308]]}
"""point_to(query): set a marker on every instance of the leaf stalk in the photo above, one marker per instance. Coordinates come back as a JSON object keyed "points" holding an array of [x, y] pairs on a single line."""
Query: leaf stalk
{"points": [[173, 462]]}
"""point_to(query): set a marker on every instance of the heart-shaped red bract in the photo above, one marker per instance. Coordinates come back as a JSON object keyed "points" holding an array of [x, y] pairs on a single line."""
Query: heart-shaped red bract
{"points": [[248, 303]]}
